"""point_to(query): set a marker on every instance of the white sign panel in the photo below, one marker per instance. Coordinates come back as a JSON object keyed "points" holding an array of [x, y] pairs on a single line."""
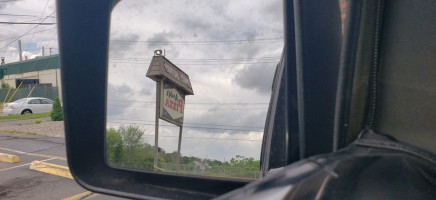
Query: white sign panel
{"points": [[172, 104]]}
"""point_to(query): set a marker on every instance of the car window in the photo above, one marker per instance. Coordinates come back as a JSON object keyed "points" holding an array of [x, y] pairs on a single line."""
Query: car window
{"points": [[46, 101], [35, 101]]}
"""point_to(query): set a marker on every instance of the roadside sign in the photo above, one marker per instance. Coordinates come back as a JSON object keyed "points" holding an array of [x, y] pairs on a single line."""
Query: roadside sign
{"points": [[172, 103], [172, 85]]}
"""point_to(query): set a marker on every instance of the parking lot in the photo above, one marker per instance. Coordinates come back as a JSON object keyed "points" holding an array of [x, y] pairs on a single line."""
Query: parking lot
{"points": [[18, 181]]}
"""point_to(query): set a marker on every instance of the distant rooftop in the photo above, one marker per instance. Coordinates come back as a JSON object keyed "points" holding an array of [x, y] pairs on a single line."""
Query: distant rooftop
{"points": [[31, 65]]}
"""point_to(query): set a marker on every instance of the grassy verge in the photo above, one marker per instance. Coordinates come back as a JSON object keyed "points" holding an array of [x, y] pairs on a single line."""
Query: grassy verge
{"points": [[23, 117]]}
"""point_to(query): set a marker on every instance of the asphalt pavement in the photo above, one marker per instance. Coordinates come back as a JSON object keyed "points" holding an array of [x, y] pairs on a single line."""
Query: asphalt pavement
{"points": [[18, 181]]}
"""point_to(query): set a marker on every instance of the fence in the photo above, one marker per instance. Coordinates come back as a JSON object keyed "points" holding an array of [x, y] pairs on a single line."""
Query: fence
{"points": [[39, 91]]}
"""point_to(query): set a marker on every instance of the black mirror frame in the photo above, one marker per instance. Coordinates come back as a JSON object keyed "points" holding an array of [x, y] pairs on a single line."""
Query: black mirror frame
{"points": [[83, 28]]}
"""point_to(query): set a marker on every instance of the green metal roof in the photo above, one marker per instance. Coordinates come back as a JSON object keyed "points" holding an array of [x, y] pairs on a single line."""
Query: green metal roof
{"points": [[32, 65]]}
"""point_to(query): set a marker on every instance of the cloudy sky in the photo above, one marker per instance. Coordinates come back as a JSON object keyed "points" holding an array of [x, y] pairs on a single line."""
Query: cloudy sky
{"points": [[32, 36], [228, 48]]}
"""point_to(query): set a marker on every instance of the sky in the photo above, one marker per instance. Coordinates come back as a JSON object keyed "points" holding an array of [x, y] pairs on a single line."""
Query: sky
{"points": [[33, 37], [228, 48]]}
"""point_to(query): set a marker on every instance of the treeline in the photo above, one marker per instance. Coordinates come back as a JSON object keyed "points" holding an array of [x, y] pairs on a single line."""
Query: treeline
{"points": [[126, 148]]}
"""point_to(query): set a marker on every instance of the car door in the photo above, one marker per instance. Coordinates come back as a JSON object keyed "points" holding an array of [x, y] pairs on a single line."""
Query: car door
{"points": [[46, 105], [35, 105]]}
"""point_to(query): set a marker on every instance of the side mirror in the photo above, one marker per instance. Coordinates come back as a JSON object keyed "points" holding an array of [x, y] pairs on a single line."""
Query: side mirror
{"points": [[84, 28]]}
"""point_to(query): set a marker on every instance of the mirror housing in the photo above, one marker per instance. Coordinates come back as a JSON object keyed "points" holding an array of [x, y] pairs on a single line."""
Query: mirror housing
{"points": [[83, 28]]}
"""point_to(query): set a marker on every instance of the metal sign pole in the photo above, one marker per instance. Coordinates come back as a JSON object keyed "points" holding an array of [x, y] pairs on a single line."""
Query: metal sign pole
{"points": [[178, 149], [156, 129]]}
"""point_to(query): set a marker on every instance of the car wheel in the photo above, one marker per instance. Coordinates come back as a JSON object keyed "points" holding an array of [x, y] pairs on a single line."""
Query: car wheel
{"points": [[26, 112]]}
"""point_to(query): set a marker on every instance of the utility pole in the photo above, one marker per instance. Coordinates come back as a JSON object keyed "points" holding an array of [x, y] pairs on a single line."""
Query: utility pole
{"points": [[43, 54], [19, 50]]}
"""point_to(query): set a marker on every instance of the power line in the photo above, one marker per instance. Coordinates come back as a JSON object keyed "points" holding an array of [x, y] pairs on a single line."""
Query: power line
{"points": [[206, 103], [197, 64], [201, 62], [26, 32], [189, 127], [15, 23], [201, 124], [43, 11], [207, 42], [17, 15], [197, 108], [206, 138], [199, 59]]}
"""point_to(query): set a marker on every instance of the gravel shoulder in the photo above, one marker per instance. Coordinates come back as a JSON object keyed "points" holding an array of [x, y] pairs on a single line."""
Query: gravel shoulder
{"points": [[45, 127]]}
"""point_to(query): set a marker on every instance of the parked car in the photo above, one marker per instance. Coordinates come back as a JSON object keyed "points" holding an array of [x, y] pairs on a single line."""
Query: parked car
{"points": [[29, 106]]}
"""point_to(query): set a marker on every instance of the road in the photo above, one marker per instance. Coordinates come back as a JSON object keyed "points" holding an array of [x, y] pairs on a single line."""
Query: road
{"points": [[17, 181]]}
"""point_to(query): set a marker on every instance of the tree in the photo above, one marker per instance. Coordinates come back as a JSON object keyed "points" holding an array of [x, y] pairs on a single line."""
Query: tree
{"points": [[114, 145], [132, 137], [56, 113]]}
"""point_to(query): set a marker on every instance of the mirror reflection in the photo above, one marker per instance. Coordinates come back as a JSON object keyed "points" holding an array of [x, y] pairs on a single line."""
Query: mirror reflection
{"points": [[189, 85]]}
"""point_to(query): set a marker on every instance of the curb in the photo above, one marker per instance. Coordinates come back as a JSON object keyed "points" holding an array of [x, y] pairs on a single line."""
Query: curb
{"points": [[50, 168], [9, 158]]}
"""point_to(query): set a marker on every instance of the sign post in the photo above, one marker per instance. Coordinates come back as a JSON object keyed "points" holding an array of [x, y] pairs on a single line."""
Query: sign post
{"points": [[156, 128], [172, 85]]}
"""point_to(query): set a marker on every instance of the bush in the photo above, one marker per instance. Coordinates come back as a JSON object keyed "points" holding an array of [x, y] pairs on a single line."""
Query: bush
{"points": [[4, 85], [57, 114]]}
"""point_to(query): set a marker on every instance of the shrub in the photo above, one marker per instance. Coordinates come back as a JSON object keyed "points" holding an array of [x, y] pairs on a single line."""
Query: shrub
{"points": [[4, 85], [56, 113]]}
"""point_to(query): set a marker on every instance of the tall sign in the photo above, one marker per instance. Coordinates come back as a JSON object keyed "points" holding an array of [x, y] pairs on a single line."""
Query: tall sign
{"points": [[172, 85]]}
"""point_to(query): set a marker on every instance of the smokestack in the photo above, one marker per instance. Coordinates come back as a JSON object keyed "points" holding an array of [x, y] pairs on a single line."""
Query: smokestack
{"points": [[43, 54], [19, 50]]}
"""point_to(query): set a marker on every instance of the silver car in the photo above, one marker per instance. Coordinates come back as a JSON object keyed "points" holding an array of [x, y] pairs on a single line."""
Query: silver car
{"points": [[29, 106]]}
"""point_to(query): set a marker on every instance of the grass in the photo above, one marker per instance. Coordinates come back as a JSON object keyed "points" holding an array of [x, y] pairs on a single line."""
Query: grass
{"points": [[23, 117], [18, 132], [36, 122]]}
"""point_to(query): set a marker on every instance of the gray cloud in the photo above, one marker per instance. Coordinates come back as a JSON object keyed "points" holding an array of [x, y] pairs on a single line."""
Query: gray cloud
{"points": [[274, 10], [146, 91], [161, 37], [121, 48], [238, 117], [256, 77], [118, 99]]}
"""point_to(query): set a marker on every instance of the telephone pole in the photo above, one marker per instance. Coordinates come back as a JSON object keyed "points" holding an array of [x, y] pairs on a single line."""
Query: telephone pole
{"points": [[19, 50]]}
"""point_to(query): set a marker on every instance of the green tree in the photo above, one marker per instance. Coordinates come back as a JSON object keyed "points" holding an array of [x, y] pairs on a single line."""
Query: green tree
{"points": [[56, 113], [132, 136], [245, 163], [114, 146]]}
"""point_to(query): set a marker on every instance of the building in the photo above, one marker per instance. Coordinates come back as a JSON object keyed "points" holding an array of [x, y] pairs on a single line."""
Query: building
{"points": [[41, 71]]}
